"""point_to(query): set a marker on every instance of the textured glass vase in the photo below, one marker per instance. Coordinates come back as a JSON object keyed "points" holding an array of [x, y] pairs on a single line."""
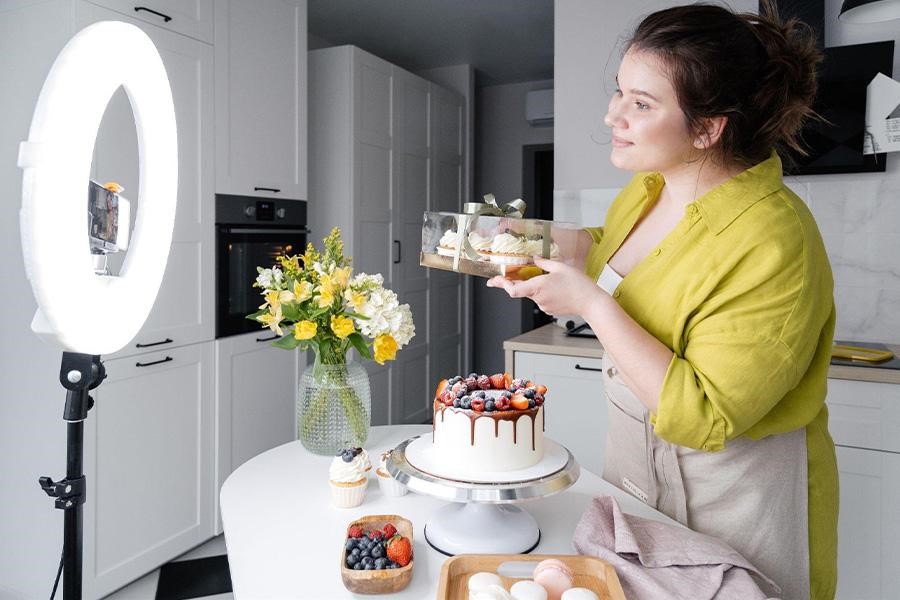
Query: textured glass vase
{"points": [[334, 407]]}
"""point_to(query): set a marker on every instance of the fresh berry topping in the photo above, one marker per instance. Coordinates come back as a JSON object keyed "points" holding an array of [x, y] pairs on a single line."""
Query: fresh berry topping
{"points": [[519, 402], [538, 400], [497, 381], [465, 402], [376, 534], [456, 403], [453, 380], [347, 456], [350, 544], [506, 394], [459, 388], [389, 530], [399, 550], [489, 406], [355, 531], [472, 375], [440, 388], [447, 398], [502, 403], [519, 383], [483, 382], [357, 451], [531, 403], [481, 394], [478, 404], [528, 393], [512, 389], [541, 390]]}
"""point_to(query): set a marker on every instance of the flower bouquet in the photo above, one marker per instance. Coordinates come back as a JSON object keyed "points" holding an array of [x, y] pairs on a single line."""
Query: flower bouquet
{"points": [[313, 301]]}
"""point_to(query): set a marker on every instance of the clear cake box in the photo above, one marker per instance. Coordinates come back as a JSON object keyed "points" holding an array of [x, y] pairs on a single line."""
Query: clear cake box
{"points": [[494, 245]]}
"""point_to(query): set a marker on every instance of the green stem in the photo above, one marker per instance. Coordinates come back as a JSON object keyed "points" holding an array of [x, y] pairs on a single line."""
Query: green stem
{"points": [[331, 380]]}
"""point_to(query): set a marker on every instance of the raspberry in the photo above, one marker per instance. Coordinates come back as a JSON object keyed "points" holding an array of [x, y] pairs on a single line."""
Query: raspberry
{"points": [[501, 403], [355, 531], [376, 534], [477, 404], [389, 530], [538, 400], [483, 382], [471, 382]]}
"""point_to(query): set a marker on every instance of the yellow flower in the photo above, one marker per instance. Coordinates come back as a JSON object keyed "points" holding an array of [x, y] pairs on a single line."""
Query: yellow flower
{"points": [[274, 298], [272, 319], [305, 330], [341, 277], [341, 326], [356, 299], [385, 348], [290, 265], [302, 291], [326, 296]]}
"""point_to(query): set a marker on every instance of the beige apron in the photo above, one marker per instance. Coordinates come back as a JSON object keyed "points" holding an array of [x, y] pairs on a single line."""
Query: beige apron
{"points": [[752, 494]]}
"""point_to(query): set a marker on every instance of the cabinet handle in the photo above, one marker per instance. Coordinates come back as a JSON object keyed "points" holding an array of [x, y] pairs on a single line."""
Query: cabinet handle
{"points": [[165, 341], [267, 339], [266, 189], [580, 368], [165, 18], [155, 362], [399, 251]]}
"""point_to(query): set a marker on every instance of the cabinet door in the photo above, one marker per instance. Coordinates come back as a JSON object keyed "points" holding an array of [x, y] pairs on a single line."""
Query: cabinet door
{"points": [[411, 375], [261, 98], [256, 388], [864, 414], [149, 463], [446, 124], [575, 413], [192, 18], [183, 311], [868, 524]]}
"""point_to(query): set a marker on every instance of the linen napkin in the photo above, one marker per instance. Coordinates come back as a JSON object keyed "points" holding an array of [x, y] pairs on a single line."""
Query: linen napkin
{"points": [[657, 560]]}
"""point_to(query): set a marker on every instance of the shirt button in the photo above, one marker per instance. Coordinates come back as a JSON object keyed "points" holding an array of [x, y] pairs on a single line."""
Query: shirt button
{"points": [[657, 252], [692, 209]]}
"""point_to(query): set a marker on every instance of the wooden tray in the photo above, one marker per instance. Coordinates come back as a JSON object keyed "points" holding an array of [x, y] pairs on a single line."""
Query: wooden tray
{"points": [[591, 573], [379, 581]]}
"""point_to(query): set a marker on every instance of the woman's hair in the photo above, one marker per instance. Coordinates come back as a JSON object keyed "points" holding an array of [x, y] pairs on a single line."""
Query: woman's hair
{"points": [[754, 69]]}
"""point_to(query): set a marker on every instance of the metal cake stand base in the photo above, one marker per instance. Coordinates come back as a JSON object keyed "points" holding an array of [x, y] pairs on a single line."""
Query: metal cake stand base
{"points": [[481, 517]]}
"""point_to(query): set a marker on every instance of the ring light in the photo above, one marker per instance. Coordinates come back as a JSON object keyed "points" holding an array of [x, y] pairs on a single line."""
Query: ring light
{"points": [[78, 309]]}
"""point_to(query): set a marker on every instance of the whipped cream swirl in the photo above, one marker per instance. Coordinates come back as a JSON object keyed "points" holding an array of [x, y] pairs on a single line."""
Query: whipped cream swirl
{"points": [[448, 240], [536, 248], [479, 242], [349, 472], [506, 243]]}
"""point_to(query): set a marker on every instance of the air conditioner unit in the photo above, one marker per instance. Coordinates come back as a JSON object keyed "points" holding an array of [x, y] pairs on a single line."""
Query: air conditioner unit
{"points": [[539, 107]]}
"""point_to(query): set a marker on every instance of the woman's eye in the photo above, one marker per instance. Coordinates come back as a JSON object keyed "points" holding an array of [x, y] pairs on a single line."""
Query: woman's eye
{"points": [[642, 106]]}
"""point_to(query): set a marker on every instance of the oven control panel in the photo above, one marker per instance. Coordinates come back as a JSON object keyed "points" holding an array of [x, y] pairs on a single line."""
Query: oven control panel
{"points": [[236, 210]]}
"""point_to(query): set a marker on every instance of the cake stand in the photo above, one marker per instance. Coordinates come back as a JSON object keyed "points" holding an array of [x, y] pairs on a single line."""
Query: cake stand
{"points": [[482, 517]]}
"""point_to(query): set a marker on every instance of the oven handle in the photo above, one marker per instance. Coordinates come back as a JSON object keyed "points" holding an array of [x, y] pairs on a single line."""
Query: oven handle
{"points": [[274, 230]]}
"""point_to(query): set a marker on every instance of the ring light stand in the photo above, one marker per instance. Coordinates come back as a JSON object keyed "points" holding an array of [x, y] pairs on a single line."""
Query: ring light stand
{"points": [[85, 313]]}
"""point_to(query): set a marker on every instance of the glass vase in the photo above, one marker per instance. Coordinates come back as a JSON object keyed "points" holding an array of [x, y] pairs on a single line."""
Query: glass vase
{"points": [[334, 407]]}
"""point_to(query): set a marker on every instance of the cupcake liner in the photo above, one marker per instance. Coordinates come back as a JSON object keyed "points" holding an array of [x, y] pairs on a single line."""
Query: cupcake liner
{"points": [[348, 495], [390, 486]]}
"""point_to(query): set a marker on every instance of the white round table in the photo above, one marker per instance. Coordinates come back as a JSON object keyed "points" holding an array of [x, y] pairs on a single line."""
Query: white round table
{"points": [[284, 536]]}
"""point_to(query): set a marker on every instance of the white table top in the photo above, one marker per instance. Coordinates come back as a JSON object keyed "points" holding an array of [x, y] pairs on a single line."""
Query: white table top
{"points": [[285, 538]]}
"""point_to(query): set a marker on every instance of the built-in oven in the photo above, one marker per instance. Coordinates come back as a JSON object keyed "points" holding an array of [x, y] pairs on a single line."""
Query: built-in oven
{"points": [[251, 232]]}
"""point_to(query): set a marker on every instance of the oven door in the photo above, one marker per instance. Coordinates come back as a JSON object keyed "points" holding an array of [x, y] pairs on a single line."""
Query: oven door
{"points": [[239, 250]]}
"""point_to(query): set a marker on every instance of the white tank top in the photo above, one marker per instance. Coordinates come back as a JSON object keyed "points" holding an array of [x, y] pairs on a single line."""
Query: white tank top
{"points": [[609, 280]]}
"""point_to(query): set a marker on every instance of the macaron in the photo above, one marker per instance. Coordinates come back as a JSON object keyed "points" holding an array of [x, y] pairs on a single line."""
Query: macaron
{"points": [[483, 580], [579, 594], [527, 590], [491, 592], [554, 576]]}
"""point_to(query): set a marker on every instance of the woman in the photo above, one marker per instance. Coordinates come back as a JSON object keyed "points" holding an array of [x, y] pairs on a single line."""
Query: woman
{"points": [[711, 292]]}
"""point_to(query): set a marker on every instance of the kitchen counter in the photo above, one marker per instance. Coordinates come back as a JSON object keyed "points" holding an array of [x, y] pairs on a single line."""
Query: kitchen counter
{"points": [[551, 339]]}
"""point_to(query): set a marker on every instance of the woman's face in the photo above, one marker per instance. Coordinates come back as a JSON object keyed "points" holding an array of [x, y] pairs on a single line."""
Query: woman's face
{"points": [[649, 132]]}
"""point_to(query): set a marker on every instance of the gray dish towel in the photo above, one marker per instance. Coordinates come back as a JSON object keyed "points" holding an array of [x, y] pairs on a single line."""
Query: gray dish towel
{"points": [[659, 561]]}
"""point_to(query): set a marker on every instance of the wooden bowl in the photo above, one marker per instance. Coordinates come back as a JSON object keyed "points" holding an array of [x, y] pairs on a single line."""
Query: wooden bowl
{"points": [[378, 581]]}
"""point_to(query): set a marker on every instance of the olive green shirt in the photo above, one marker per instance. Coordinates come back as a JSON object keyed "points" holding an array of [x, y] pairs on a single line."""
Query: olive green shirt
{"points": [[741, 291]]}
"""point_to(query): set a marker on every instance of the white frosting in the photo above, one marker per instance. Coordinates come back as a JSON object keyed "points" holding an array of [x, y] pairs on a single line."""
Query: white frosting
{"points": [[506, 243], [489, 453], [536, 248], [478, 242], [448, 240], [348, 472], [528, 590]]}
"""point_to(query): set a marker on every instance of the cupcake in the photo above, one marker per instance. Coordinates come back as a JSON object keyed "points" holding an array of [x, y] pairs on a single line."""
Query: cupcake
{"points": [[389, 486], [536, 248], [509, 249], [348, 477], [481, 245], [447, 245]]}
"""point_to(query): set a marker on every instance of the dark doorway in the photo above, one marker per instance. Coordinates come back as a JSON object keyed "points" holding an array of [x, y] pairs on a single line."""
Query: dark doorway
{"points": [[537, 191]]}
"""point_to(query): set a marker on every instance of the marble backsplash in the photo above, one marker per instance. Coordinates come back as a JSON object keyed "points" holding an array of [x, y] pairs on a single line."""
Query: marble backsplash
{"points": [[859, 217]]}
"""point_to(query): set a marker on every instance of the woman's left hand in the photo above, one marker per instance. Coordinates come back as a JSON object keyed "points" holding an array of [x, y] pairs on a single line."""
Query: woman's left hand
{"points": [[563, 290]]}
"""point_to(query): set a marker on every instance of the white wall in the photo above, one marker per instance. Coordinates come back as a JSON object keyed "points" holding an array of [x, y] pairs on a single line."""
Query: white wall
{"points": [[500, 132], [858, 215], [32, 433]]}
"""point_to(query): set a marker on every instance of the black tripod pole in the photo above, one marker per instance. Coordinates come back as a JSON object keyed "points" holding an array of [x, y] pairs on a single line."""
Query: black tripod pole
{"points": [[79, 374]]}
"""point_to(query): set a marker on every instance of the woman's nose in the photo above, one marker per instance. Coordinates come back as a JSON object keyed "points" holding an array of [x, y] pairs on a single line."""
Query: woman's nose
{"points": [[613, 116]]}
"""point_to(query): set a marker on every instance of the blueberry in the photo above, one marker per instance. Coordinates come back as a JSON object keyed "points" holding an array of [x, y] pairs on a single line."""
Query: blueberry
{"points": [[511, 388], [456, 403], [352, 559], [528, 393], [340, 452], [475, 375], [357, 451], [366, 553], [355, 552], [377, 551], [350, 545], [358, 566], [347, 456], [369, 567], [506, 394], [454, 380], [489, 406], [380, 563], [465, 402], [531, 403]]}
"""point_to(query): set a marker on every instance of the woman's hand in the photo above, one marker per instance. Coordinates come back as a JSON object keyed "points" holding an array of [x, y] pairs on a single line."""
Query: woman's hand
{"points": [[563, 290]]}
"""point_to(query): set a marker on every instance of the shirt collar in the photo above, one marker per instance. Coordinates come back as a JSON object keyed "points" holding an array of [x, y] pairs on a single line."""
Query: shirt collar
{"points": [[724, 203]]}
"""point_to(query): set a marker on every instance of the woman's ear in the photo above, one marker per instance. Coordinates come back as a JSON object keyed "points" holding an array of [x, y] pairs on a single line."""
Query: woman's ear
{"points": [[711, 129]]}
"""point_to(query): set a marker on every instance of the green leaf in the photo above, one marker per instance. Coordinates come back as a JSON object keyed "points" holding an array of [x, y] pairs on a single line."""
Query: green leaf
{"points": [[360, 344], [356, 315], [288, 342], [253, 316], [291, 311]]}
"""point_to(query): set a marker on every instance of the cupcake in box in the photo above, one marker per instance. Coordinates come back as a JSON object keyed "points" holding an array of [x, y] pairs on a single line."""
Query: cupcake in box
{"points": [[509, 249], [348, 477], [389, 486]]}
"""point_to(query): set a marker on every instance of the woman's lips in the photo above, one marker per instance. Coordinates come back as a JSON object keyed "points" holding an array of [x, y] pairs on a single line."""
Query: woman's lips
{"points": [[618, 142]]}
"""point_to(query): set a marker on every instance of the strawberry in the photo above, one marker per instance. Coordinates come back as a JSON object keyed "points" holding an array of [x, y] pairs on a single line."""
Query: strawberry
{"points": [[519, 401], [440, 388], [399, 550], [497, 381], [355, 531], [389, 530]]}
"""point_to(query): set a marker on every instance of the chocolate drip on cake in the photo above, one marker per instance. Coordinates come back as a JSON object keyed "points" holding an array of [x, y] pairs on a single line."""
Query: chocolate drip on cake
{"points": [[502, 415]]}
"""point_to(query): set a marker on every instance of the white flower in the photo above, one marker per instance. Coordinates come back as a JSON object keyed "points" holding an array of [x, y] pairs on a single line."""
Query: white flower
{"points": [[384, 314], [264, 279], [402, 324], [277, 275], [365, 282]]}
